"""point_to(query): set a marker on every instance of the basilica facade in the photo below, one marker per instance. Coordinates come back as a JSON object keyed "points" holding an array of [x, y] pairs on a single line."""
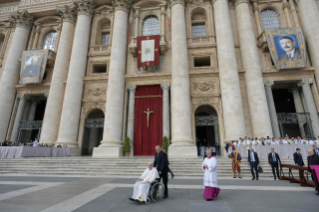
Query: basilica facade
{"points": [[215, 79]]}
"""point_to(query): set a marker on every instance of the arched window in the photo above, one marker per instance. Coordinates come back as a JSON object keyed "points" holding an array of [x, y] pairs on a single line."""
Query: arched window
{"points": [[150, 25], [50, 40], [270, 19]]}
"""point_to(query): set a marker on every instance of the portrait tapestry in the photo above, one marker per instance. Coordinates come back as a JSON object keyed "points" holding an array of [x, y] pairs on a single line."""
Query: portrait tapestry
{"points": [[287, 48], [33, 66]]}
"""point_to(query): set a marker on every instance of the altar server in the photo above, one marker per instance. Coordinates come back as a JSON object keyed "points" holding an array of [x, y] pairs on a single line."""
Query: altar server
{"points": [[209, 166], [142, 185]]}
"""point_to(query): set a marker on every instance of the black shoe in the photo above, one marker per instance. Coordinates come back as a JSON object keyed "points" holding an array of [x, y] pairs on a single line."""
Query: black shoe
{"points": [[166, 196], [252, 178], [234, 177], [131, 199], [239, 177], [257, 179], [172, 176], [317, 194], [208, 199], [274, 178]]}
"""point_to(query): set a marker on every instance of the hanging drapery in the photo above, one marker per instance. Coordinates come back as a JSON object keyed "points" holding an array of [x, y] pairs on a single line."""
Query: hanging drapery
{"points": [[148, 111]]}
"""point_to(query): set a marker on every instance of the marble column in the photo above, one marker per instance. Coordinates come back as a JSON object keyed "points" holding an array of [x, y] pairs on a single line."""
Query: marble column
{"points": [[130, 119], [294, 13], [70, 118], [272, 109], [310, 103], [166, 121], [257, 19], [285, 6], [11, 70], [233, 114], [298, 105], [259, 114], [216, 134], [37, 34], [309, 15], [18, 118], [112, 143], [303, 102], [26, 110], [33, 108], [182, 142], [53, 110]]}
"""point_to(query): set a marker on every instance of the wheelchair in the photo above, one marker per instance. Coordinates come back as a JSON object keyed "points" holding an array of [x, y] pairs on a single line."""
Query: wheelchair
{"points": [[156, 192]]}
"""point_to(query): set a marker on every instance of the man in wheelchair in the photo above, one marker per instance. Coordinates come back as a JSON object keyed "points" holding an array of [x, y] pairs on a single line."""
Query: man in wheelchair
{"points": [[142, 185]]}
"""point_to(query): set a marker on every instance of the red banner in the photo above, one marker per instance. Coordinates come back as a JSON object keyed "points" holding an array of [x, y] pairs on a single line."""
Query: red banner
{"points": [[148, 51], [148, 123]]}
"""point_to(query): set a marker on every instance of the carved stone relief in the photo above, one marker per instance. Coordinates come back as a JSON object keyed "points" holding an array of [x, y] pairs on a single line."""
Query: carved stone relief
{"points": [[95, 93], [205, 87]]}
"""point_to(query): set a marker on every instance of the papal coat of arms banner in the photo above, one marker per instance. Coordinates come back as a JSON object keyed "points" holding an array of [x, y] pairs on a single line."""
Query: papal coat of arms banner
{"points": [[33, 66], [287, 48], [148, 51]]}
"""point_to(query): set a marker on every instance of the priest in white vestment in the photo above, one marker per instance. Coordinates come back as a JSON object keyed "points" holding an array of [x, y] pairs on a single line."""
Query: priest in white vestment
{"points": [[142, 185], [209, 166]]}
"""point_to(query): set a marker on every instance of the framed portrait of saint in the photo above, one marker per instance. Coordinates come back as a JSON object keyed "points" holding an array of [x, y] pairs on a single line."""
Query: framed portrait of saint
{"points": [[287, 48], [33, 66]]}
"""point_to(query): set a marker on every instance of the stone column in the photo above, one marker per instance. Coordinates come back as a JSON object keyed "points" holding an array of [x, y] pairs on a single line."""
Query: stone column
{"points": [[257, 19], [70, 118], [112, 144], [305, 84], [182, 142], [216, 134], [15, 130], [53, 110], [259, 114], [309, 15], [37, 34], [272, 109], [163, 21], [11, 70], [26, 111], [294, 13], [130, 119], [166, 121], [137, 18], [233, 113], [299, 108], [33, 109], [285, 6]]}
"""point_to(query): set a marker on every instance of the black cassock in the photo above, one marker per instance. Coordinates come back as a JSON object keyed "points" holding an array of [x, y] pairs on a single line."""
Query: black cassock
{"points": [[161, 163]]}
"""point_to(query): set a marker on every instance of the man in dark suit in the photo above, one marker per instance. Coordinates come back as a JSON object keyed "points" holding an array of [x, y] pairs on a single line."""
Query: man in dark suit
{"points": [[313, 161], [253, 161], [292, 53], [226, 146], [298, 158], [273, 159], [161, 163], [315, 149]]}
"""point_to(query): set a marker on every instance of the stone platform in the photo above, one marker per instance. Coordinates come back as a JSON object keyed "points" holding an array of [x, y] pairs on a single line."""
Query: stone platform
{"points": [[120, 167]]}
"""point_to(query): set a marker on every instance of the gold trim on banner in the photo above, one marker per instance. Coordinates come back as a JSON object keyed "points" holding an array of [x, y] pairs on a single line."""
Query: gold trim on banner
{"points": [[151, 96]]}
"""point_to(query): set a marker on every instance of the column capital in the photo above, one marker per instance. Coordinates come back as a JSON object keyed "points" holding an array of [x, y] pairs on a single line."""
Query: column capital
{"points": [[294, 89], [67, 13], [131, 88], [285, 5], [269, 83], [35, 99], [23, 96], [305, 82], [165, 86], [84, 7], [171, 3], [122, 5], [238, 2], [21, 19]]}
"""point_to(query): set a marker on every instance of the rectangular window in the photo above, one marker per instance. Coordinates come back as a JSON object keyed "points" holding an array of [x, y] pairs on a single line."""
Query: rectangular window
{"points": [[99, 68], [105, 39], [198, 30], [201, 61]]}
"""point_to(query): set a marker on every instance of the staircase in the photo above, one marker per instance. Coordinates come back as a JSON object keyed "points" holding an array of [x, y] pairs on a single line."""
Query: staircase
{"points": [[121, 167]]}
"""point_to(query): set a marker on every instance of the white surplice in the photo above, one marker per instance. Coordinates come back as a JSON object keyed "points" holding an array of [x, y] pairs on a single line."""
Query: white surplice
{"points": [[210, 175], [140, 191]]}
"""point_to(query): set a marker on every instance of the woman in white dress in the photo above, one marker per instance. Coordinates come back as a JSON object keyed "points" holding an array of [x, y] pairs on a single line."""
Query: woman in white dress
{"points": [[209, 166]]}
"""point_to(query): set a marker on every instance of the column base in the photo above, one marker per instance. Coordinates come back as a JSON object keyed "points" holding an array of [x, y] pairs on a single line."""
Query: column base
{"points": [[185, 151], [109, 151], [69, 143], [75, 151]]}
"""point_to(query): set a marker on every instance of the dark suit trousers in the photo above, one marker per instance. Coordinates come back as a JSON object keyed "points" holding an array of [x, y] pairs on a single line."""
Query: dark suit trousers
{"points": [[273, 166], [253, 165], [165, 180]]}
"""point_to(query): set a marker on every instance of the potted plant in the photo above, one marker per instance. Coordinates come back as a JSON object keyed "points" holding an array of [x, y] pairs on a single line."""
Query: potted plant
{"points": [[127, 146], [165, 144]]}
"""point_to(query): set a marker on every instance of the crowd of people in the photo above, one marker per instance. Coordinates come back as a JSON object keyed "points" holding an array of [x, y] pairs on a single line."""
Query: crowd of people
{"points": [[246, 141], [34, 143]]}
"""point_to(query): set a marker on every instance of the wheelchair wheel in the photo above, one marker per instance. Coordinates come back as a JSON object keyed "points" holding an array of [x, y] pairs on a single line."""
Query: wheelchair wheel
{"points": [[157, 192], [148, 201]]}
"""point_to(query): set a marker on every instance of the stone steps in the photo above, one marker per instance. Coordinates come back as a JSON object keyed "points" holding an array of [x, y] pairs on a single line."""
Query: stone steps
{"points": [[119, 167]]}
